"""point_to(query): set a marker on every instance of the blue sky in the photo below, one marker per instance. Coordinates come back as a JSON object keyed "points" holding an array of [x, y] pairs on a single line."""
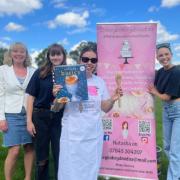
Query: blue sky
{"points": [[39, 23]]}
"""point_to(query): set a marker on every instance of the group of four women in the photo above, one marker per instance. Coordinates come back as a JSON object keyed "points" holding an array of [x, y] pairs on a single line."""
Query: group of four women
{"points": [[24, 90]]}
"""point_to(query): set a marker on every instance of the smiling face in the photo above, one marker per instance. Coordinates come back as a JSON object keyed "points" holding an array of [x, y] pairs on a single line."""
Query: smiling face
{"points": [[56, 55], [89, 59], [164, 57], [56, 59], [18, 54]]}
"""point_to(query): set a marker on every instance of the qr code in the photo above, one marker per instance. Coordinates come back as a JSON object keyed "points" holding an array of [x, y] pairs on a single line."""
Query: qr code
{"points": [[107, 124], [144, 127]]}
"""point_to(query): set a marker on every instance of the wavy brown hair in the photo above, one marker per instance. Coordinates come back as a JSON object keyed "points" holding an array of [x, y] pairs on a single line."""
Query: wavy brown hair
{"points": [[47, 66], [7, 55]]}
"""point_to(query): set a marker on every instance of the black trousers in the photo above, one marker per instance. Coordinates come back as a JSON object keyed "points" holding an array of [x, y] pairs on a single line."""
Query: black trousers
{"points": [[48, 131]]}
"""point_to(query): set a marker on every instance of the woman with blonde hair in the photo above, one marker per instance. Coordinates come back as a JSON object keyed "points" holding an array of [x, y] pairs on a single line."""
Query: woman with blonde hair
{"points": [[14, 77]]}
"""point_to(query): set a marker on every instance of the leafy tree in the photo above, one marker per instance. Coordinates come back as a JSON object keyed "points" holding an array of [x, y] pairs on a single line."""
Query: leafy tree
{"points": [[74, 54], [2, 51], [41, 57]]}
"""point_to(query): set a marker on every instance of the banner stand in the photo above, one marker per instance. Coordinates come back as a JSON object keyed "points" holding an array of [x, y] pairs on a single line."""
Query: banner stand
{"points": [[126, 54]]}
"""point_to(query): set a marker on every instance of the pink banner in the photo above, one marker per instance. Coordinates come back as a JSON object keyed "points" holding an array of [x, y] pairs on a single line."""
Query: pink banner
{"points": [[126, 55]]}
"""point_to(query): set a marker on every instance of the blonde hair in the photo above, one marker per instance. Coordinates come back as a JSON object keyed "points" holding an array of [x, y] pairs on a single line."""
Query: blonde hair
{"points": [[7, 55]]}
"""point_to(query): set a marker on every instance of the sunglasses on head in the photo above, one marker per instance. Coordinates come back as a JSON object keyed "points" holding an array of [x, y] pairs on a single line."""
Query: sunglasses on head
{"points": [[86, 60], [166, 45]]}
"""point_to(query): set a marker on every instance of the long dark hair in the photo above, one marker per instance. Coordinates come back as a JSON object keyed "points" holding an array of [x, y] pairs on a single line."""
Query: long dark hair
{"points": [[47, 67]]}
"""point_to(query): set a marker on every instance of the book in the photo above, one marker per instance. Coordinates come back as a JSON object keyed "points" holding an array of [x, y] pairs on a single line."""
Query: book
{"points": [[73, 80]]}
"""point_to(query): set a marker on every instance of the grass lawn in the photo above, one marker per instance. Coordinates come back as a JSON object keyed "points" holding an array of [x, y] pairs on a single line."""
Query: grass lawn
{"points": [[19, 172], [164, 161]]}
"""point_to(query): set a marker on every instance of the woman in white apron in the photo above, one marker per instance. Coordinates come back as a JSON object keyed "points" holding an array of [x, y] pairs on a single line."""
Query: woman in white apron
{"points": [[82, 131]]}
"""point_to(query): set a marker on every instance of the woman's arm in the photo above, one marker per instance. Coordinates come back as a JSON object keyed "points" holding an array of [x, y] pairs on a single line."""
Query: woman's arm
{"points": [[164, 97], [3, 122], [106, 105], [30, 126], [3, 125]]}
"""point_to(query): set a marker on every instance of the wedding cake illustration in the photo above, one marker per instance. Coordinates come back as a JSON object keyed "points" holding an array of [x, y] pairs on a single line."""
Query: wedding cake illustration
{"points": [[126, 51]]}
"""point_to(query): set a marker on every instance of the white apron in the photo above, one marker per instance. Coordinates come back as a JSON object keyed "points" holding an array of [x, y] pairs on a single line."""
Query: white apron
{"points": [[82, 136]]}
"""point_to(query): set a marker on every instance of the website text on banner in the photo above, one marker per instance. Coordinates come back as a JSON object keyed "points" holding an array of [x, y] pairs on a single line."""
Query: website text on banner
{"points": [[126, 55]]}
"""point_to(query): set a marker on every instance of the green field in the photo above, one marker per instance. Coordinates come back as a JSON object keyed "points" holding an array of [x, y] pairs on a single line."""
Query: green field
{"points": [[19, 172]]}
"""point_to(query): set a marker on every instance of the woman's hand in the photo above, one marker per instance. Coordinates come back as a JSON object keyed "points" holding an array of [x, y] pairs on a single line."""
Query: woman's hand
{"points": [[117, 94], [152, 89], [164, 97], [3, 125], [107, 105], [31, 128], [56, 89]]}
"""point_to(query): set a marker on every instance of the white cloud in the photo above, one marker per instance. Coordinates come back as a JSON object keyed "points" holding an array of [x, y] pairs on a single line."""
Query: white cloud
{"points": [[34, 53], [74, 47], [18, 7], [4, 45], [177, 51], [153, 9], [170, 3], [97, 11], [176, 61], [163, 35], [64, 42], [78, 30], [14, 27], [6, 38], [178, 54], [70, 19], [59, 3], [177, 48]]}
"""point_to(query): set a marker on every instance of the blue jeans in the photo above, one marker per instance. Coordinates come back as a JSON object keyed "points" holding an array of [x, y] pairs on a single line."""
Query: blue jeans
{"points": [[171, 131]]}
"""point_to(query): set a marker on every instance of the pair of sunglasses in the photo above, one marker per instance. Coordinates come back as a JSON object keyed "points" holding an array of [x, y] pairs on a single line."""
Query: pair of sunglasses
{"points": [[166, 45], [86, 60]]}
